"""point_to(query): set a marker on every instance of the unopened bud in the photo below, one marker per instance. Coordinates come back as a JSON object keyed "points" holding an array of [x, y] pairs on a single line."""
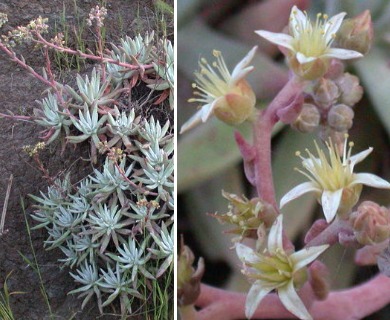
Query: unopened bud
{"points": [[371, 223], [356, 33], [308, 71], [326, 93], [246, 216], [309, 118], [350, 90], [319, 280], [340, 117], [236, 106], [188, 279], [336, 69]]}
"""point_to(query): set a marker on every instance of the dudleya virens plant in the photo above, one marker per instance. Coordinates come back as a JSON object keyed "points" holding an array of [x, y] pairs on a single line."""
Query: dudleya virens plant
{"points": [[308, 47], [115, 226]]}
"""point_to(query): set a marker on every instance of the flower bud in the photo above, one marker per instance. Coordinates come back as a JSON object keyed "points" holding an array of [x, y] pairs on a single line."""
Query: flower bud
{"points": [[350, 90], [309, 118], [357, 33], [349, 198], [247, 216], [319, 280], [371, 223], [340, 117], [188, 279], [336, 69], [237, 105], [308, 71], [326, 93]]}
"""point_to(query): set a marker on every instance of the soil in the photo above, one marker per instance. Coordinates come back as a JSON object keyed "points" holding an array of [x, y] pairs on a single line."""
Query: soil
{"points": [[18, 92]]}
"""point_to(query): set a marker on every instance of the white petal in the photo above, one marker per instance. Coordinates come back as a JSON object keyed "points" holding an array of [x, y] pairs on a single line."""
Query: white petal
{"points": [[192, 122], [292, 302], [240, 74], [245, 253], [207, 110], [297, 192], [330, 201], [256, 293], [297, 20], [359, 157], [333, 25], [306, 255], [241, 66], [371, 180], [281, 39], [342, 54], [275, 237], [302, 59]]}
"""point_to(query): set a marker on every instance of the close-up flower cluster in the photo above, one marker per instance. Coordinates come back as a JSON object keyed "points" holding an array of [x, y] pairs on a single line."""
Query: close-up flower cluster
{"points": [[314, 89]]}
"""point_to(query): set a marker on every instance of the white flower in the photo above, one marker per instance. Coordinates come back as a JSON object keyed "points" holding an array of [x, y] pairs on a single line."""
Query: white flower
{"points": [[228, 96], [336, 185], [310, 42], [274, 269]]}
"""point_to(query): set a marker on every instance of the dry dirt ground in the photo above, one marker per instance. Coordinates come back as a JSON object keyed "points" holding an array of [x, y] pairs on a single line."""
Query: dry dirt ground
{"points": [[18, 91]]}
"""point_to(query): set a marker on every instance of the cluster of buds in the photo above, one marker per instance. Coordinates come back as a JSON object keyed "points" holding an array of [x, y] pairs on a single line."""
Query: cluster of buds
{"points": [[58, 40], [329, 105], [116, 155], [98, 14], [23, 34], [39, 25], [3, 19], [188, 279], [33, 150], [371, 223], [250, 218], [145, 203]]}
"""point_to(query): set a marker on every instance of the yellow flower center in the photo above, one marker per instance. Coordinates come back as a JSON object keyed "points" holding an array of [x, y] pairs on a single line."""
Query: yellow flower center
{"points": [[211, 81], [275, 268], [312, 40], [331, 173]]}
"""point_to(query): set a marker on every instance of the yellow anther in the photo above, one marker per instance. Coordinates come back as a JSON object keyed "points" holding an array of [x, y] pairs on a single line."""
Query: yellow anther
{"points": [[216, 53]]}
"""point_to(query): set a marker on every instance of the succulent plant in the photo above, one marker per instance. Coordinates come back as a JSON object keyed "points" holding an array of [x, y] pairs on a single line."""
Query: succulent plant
{"points": [[165, 242], [164, 68], [88, 276], [118, 285], [112, 225], [134, 258], [52, 116], [93, 92], [133, 51]]}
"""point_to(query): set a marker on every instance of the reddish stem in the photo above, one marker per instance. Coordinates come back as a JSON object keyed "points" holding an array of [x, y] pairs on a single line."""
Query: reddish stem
{"points": [[79, 53], [350, 304], [15, 59], [262, 139]]}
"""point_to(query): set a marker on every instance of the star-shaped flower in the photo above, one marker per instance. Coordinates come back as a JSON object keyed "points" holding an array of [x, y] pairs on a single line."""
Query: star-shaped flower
{"points": [[337, 187], [226, 95], [275, 269], [309, 44]]}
